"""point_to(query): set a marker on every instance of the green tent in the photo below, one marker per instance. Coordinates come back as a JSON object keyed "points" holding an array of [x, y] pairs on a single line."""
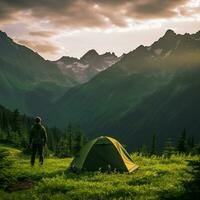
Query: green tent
{"points": [[105, 154]]}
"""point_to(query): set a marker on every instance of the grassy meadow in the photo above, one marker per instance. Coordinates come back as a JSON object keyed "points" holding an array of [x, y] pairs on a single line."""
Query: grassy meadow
{"points": [[156, 178]]}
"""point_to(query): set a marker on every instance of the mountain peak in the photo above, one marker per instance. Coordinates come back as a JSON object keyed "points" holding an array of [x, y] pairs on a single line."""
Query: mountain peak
{"points": [[3, 34], [170, 33], [141, 49], [90, 54], [107, 54], [67, 59], [197, 33]]}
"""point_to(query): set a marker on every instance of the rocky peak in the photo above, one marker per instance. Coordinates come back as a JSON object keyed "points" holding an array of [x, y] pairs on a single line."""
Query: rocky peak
{"points": [[169, 34], [4, 36], [67, 59], [90, 54], [109, 54]]}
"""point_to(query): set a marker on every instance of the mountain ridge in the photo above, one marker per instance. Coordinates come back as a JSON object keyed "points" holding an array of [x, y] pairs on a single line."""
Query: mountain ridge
{"points": [[112, 95], [88, 66], [126, 99], [27, 78]]}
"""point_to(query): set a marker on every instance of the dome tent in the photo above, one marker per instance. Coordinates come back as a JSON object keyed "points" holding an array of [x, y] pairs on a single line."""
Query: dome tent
{"points": [[103, 153]]}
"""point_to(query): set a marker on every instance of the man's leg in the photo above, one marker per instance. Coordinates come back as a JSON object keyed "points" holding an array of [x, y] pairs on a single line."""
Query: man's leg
{"points": [[34, 151], [41, 153]]}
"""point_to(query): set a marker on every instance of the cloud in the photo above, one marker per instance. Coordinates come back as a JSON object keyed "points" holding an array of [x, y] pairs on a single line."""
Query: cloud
{"points": [[46, 22], [89, 13], [44, 46], [156, 8], [42, 33]]}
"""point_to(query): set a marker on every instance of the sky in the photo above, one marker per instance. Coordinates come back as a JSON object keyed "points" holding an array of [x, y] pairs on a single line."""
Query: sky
{"points": [[56, 28]]}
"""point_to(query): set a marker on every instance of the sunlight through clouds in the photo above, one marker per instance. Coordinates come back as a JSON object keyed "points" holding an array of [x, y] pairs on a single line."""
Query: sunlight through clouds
{"points": [[98, 24]]}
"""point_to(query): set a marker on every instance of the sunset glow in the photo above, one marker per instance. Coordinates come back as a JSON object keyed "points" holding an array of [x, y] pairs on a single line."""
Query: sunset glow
{"points": [[72, 27]]}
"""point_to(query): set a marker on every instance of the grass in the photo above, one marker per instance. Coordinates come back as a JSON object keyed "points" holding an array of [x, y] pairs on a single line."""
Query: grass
{"points": [[157, 178]]}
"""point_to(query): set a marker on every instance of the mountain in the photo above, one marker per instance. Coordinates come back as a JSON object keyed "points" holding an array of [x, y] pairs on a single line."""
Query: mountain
{"points": [[89, 65], [153, 89], [27, 81], [166, 113]]}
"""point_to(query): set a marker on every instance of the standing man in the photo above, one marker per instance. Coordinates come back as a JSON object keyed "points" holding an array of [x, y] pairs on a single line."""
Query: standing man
{"points": [[38, 139]]}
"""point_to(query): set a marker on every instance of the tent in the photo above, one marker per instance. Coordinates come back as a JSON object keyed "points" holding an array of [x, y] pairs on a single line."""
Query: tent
{"points": [[104, 154]]}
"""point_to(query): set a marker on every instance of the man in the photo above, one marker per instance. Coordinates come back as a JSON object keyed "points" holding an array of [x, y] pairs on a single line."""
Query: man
{"points": [[38, 139]]}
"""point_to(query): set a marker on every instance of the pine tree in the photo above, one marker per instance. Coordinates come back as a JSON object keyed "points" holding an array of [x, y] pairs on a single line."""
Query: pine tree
{"points": [[197, 149], [5, 122], [79, 142], [168, 148], [51, 140], [15, 129], [190, 144], [182, 143], [143, 150], [70, 139], [63, 150], [153, 145], [16, 122], [24, 138], [56, 134], [5, 125]]}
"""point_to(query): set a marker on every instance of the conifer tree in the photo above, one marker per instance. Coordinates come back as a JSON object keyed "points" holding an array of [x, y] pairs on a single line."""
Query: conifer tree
{"points": [[16, 122], [153, 145], [5, 122], [190, 144], [182, 143], [15, 128], [70, 139], [143, 150], [168, 148]]}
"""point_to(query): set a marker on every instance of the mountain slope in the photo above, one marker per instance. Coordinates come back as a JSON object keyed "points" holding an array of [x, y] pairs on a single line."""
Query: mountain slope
{"points": [[103, 105], [27, 79], [166, 112]]}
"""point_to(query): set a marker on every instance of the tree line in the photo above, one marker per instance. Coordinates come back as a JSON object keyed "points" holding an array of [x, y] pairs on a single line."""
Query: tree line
{"points": [[15, 127], [184, 145]]}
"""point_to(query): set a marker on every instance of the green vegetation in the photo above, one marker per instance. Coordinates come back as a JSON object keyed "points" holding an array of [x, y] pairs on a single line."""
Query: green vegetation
{"points": [[165, 176], [157, 178], [14, 129]]}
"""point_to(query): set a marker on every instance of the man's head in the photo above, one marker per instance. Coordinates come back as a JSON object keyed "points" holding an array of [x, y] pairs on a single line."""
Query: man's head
{"points": [[38, 120]]}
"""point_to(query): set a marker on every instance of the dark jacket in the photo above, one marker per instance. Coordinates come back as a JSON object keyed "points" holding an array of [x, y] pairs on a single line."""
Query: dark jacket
{"points": [[38, 135]]}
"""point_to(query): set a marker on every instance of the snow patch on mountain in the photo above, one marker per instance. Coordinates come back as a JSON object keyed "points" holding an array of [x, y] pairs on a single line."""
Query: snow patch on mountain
{"points": [[149, 48], [81, 66], [158, 51], [167, 54], [90, 64], [177, 44]]}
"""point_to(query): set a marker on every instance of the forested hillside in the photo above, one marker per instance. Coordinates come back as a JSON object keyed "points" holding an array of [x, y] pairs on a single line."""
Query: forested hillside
{"points": [[15, 130], [152, 89]]}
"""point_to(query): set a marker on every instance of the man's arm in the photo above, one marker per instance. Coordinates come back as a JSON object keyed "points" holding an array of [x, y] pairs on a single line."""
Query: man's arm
{"points": [[44, 135], [31, 136]]}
